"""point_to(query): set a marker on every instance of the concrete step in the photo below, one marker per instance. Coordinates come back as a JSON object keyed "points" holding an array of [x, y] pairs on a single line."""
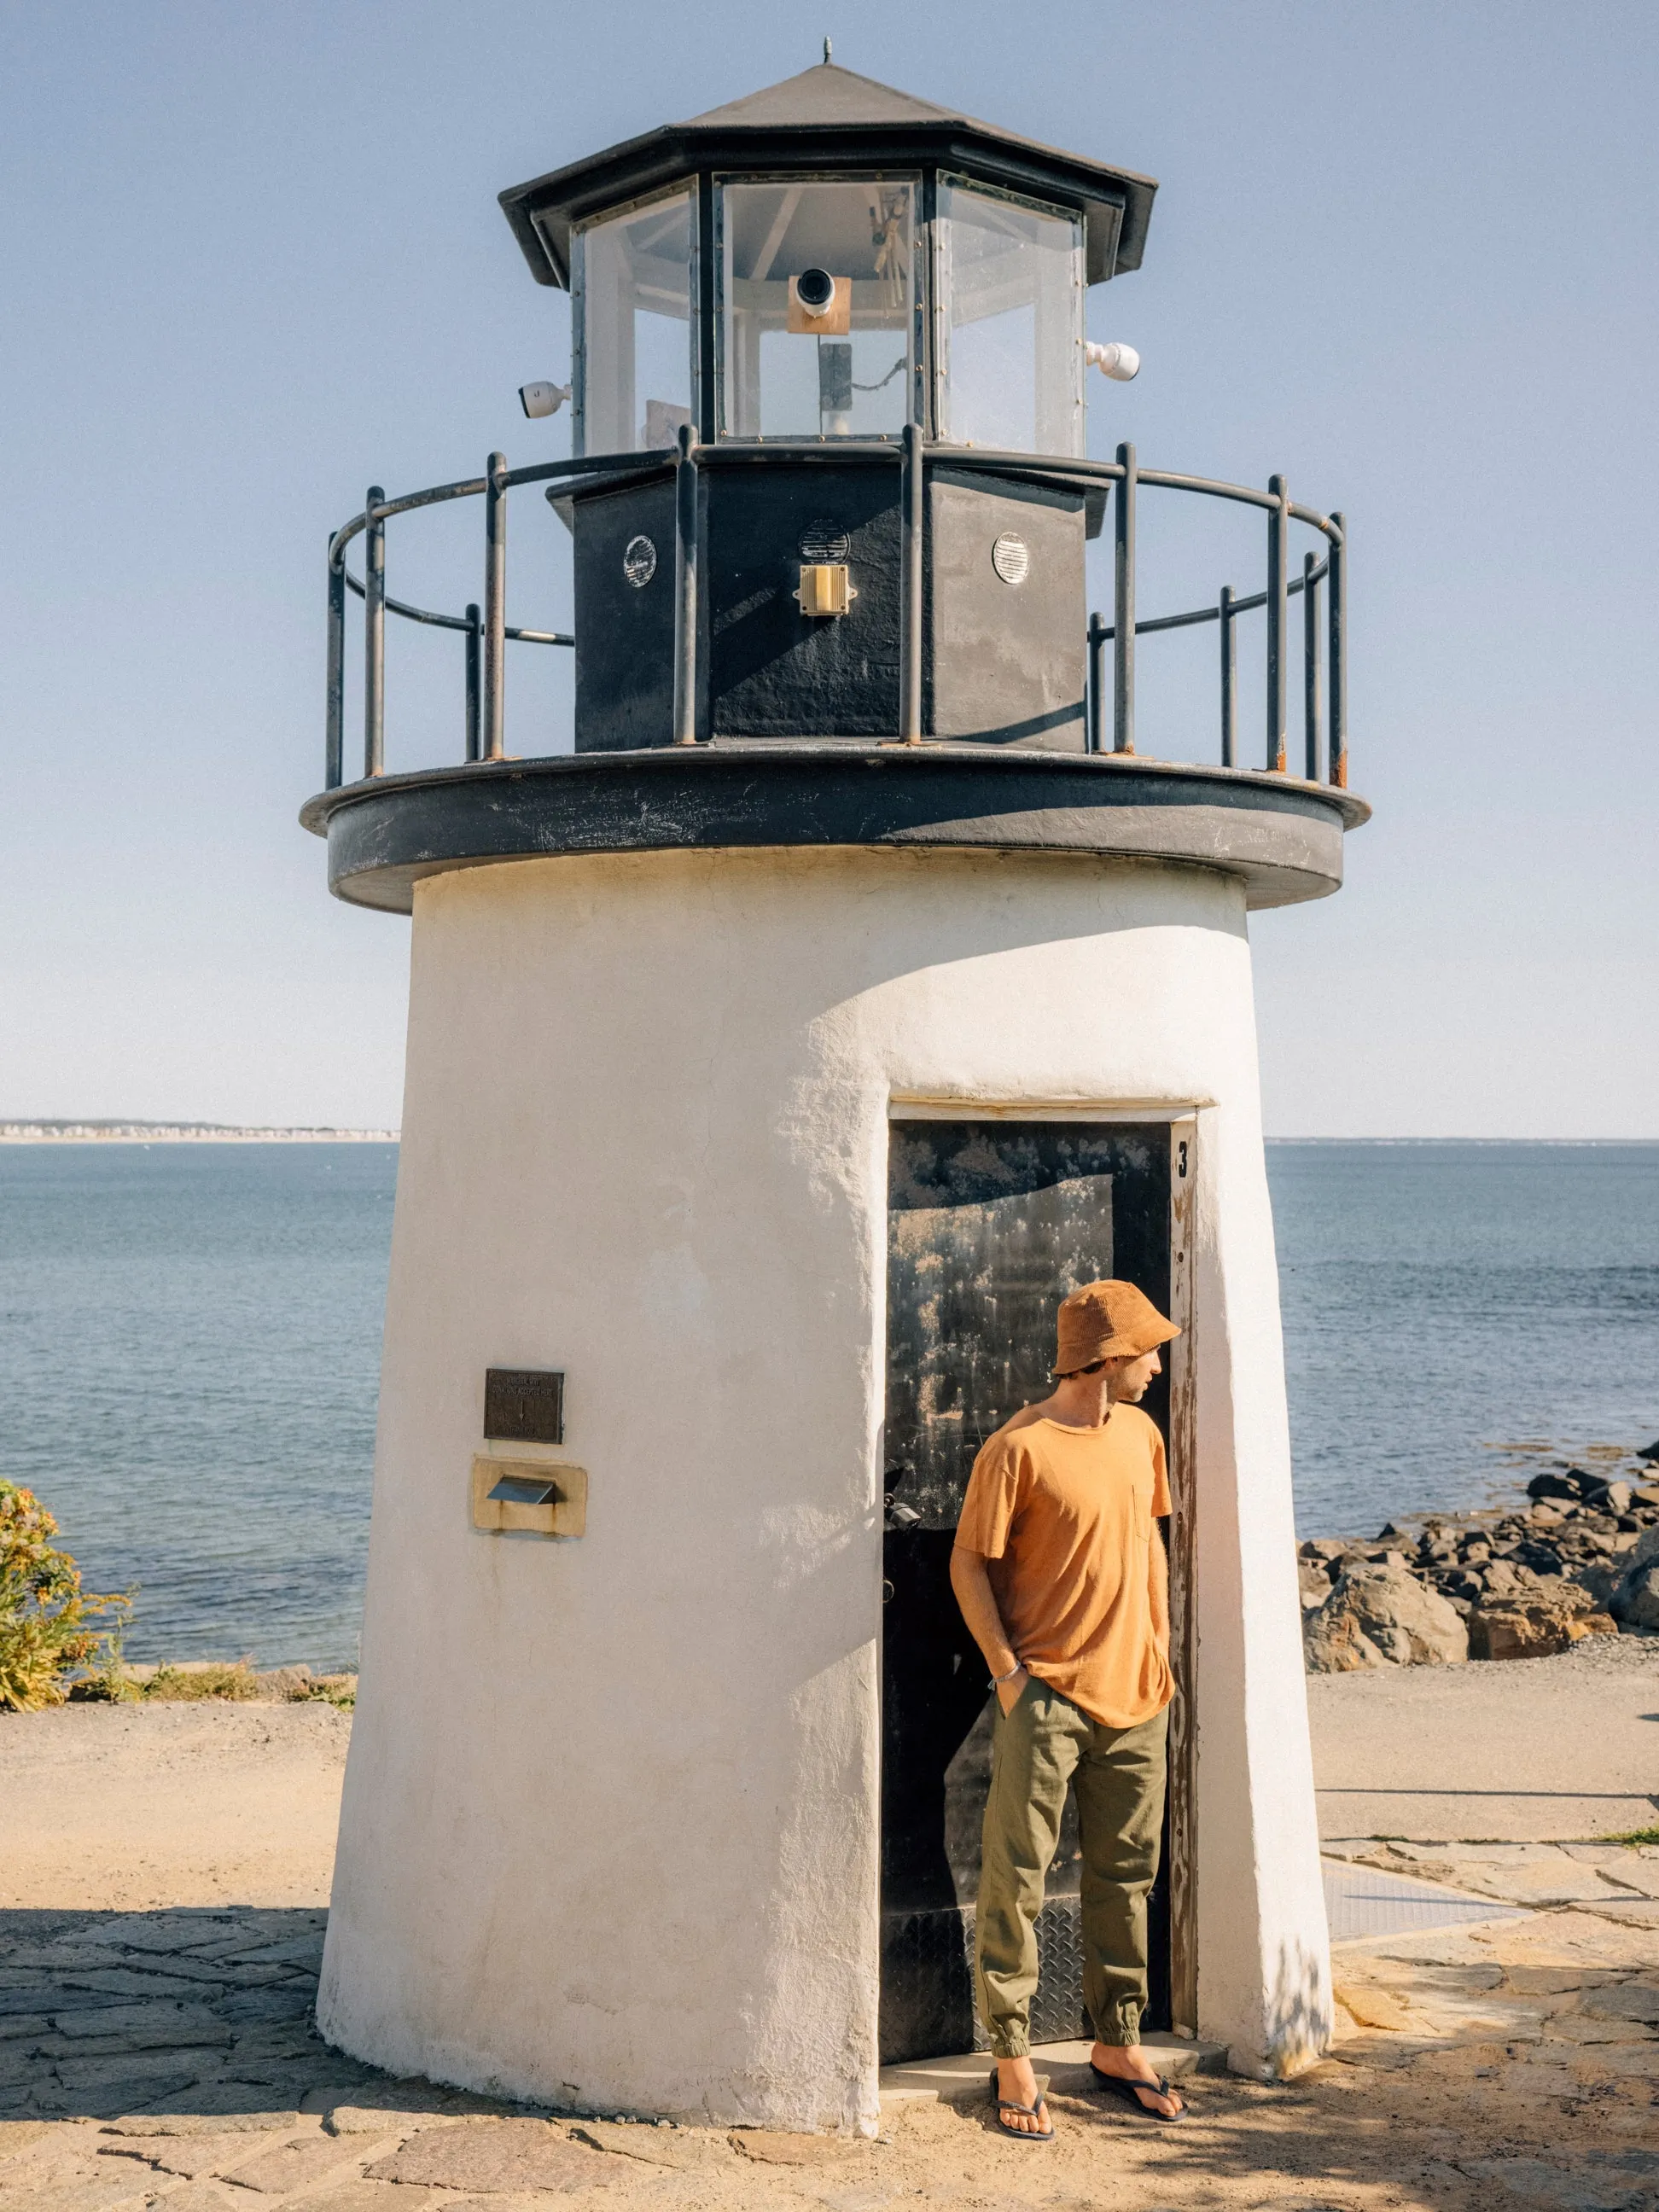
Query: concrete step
{"points": [[1066, 2064]]}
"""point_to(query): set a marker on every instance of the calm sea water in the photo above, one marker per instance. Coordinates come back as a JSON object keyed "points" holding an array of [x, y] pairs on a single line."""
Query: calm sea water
{"points": [[190, 1340]]}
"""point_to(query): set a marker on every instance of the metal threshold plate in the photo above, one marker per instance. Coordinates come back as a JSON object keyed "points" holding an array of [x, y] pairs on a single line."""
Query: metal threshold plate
{"points": [[1361, 1901]]}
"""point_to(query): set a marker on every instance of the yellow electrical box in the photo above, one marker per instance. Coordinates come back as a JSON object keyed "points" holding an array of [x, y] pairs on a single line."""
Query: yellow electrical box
{"points": [[540, 1496], [826, 587]]}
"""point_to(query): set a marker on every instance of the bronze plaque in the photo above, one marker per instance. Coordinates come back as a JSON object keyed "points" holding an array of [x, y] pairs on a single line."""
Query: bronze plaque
{"points": [[524, 1405]]}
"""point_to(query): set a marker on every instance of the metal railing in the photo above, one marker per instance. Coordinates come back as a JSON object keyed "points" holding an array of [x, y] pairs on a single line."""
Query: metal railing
{"points": [[487, 631]]}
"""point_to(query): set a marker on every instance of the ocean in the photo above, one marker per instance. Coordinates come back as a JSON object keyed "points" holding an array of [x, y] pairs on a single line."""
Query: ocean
{"points": [[191, 1342]]}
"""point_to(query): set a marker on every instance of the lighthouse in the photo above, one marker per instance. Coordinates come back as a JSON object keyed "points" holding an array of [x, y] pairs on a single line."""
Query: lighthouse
{"points": [[781, 1053]]}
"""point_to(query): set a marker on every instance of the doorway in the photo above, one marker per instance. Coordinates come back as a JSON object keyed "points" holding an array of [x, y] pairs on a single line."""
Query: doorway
{"points": [[991, 1222]]}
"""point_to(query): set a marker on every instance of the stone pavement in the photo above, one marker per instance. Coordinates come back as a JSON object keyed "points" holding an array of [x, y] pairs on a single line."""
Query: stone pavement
{"points": [[167, 2059]]}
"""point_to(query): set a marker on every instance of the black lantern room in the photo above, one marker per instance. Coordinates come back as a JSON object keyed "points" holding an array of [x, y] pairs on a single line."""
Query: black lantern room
{"points": [[796, 287]]}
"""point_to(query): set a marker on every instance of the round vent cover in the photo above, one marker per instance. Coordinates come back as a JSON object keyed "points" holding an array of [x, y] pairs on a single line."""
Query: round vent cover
{"points": [[1010, 557], [640, 561]]}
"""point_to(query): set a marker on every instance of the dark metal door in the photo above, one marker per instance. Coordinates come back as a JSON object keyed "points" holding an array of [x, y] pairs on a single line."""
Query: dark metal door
{"points": [[990, 1224]]}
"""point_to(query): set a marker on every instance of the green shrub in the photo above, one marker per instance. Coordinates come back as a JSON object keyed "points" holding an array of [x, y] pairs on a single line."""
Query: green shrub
{"points": [[48, 1644]]}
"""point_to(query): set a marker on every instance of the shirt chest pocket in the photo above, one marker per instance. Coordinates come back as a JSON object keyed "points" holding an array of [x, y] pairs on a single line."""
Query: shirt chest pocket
{"points": [[1141, 1511]]}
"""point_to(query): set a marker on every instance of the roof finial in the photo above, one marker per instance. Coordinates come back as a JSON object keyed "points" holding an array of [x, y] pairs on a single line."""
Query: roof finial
{"points": [[827, 50]]}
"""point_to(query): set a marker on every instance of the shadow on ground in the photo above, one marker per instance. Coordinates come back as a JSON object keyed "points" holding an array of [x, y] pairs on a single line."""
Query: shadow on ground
{"points": [[203, 2010]]}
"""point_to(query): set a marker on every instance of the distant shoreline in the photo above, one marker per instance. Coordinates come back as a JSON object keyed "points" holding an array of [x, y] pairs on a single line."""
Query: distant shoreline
{"points": [[180, 1132]]}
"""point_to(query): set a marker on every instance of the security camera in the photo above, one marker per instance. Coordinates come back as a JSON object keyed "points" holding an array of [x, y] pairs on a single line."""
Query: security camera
{"points": [[815, 292], [542, 398], [1120, 362]]}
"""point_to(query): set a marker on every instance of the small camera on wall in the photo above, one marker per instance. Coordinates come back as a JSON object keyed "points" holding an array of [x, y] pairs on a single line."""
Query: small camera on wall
{"points": [[820, 304]]}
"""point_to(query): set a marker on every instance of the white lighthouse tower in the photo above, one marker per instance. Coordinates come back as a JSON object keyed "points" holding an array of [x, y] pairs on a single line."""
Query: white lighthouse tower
{"points": [[778, 1058]]}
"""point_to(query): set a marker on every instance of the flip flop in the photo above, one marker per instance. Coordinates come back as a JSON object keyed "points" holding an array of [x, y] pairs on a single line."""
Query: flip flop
{"points": [[1119, 2086], [1036, 2111]]}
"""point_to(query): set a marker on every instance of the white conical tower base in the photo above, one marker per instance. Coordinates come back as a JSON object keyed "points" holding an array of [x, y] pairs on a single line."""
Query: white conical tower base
{"points": [[610, 1824]]}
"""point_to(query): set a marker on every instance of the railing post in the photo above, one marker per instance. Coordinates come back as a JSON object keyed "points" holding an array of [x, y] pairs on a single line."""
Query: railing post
{"points": [[495, 608], [1312, 658], [373, 636], [1338, 676], [1279, 610], [1229, 680], [1097, 635], [686, 536], [334, 715], [473, 676], [1123, 618], [913, 494]]}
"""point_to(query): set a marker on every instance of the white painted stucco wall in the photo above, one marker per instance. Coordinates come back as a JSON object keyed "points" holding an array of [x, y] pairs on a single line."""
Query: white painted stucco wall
{"points": [[610, 1829]]}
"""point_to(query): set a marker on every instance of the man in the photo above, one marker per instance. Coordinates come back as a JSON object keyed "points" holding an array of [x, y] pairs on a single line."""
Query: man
{"points": [[1062, 1581]]}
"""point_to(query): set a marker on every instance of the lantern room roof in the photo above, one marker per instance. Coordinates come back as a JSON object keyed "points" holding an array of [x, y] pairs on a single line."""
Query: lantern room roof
{"points": [[828, 118]]}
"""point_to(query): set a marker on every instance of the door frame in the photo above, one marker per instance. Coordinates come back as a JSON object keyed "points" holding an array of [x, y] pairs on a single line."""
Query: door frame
{"points": [[1181, 1119]]}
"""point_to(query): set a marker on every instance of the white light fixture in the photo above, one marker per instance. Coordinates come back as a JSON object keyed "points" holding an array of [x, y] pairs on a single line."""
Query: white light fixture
{"points": [[542, 398], [1120, 362]]}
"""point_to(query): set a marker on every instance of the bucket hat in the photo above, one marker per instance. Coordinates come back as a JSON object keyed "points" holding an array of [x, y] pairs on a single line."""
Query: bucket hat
{"points": [[1108, 1320]]}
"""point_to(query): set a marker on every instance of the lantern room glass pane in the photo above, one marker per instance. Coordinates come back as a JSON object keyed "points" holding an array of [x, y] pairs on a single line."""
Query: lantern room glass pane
{"points": [[843, 372], [1010, 329], [634, 325]]}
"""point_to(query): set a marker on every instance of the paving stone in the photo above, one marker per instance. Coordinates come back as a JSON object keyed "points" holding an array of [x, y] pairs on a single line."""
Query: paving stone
{"points": [[18, 2135], [497, 2154], [172, 1929], [188, 2155], [307, 1951], [202, 2197], [771, 2146], [685, 2150], [1630, 2001], [356, 2195], [103, 2074], [198, 2124], [1373, 2007], [276, 2171], [46, 1996], [1622, 2059], [140, 2026], [25, 2025], [125, 1982], [223, 1973], [79, 2192], [219, 2103], [297, 2000], [372, 2106]]}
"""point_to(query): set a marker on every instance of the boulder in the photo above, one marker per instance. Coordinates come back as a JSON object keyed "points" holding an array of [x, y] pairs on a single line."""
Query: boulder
{"points": [[1383, 1617], [1531, 1632], [1536, 1623], [1636, 1600], [1563, 1482], [1616, 1498], [1315, 1582], [1646, 1493], [1649, 1451]]}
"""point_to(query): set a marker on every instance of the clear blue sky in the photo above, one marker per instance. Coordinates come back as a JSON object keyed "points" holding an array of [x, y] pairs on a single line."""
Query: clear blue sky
{"points": [[252, 260]]}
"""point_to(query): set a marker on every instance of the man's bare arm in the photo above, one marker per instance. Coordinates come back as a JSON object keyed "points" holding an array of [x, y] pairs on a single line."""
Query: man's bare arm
{"points": [[971, 1581]]}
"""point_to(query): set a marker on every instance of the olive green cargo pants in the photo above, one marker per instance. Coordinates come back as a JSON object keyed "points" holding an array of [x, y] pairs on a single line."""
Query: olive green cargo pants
{"points": [[1043, 1745]]}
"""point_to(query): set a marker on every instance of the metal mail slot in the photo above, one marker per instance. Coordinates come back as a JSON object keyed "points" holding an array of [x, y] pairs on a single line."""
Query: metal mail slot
{"points": [[526, 1490], [538, 1497]]}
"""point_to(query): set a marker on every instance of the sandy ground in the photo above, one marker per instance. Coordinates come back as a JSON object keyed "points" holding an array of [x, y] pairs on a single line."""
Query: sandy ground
{"points": [[132, 1807], [1528, 1749]]}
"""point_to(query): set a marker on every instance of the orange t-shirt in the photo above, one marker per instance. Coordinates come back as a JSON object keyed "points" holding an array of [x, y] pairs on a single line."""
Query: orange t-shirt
{"points": [[1064, 1517]]}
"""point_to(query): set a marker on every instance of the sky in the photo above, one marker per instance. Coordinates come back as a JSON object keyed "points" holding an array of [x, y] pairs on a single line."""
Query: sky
{"points": [[251, 261]]}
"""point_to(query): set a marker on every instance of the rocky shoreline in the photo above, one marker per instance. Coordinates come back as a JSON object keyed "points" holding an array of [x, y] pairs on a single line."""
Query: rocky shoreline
{"points": [[1580, 1559]]}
